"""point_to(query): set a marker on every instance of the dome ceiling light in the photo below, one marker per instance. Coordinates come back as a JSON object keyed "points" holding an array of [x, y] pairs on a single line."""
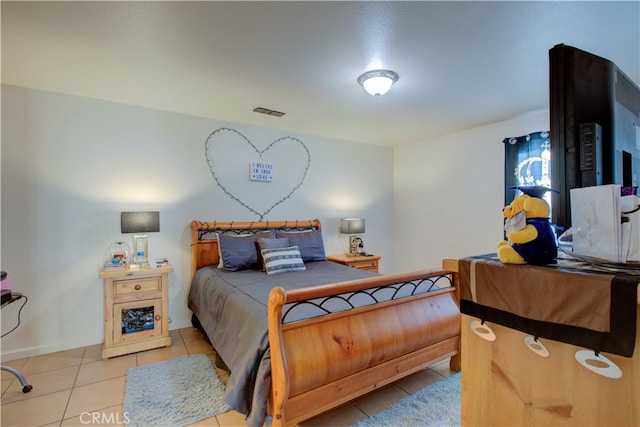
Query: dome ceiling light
{"points": [[378, 82]]}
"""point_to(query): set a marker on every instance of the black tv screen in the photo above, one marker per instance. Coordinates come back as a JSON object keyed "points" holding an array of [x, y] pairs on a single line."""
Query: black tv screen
{"points": [[594, 126]]}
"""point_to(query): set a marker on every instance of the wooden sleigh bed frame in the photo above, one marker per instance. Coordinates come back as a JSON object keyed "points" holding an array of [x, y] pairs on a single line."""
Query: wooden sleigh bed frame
{"points": [[323, 362]]}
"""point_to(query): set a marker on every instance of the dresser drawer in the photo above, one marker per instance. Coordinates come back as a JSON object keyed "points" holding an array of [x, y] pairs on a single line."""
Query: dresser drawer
{"points": [[134, 286]]}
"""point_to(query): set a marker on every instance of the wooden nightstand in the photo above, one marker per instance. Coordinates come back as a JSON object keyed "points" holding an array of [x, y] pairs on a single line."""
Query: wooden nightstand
{"points": [[136, 312], [362, 262]]}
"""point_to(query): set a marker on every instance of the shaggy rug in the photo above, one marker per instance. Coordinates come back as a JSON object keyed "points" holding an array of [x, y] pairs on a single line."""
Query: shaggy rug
{"points": [[173, 393], [436, 405]]}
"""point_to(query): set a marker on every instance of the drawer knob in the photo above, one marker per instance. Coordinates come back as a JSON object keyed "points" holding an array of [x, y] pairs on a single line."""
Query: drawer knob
{"points": [[138, 287], [158, 317]]}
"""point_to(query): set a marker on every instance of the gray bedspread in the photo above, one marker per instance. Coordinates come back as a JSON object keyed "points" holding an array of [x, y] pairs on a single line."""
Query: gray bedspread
{"points": [[231, 307]]}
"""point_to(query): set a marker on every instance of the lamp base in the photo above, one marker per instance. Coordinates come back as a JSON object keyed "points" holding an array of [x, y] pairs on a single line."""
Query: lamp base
{"points": [[140, 250], [353, 246]]}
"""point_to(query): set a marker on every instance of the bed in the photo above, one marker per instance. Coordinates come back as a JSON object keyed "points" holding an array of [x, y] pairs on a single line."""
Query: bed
{"points": [[302, 341]]}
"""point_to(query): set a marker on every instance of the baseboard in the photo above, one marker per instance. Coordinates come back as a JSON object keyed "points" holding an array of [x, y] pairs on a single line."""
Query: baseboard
{"points": [[22, 353], [39, 350], [180, 324]]}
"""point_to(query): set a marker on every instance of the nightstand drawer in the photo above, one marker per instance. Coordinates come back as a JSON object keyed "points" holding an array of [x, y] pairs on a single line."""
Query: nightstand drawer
{"points": [[361, 262], [133, 286], [364, 265]]}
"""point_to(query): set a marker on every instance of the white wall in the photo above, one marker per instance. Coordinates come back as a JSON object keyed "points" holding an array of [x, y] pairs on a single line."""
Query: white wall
{"points": [[449, 193], [70, 165]]}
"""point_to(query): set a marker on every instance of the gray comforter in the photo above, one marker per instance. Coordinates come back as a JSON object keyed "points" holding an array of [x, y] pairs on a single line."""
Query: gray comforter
{"points": [[231, 307]]}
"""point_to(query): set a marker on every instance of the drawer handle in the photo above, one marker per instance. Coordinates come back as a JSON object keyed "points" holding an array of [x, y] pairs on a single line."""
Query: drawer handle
{"points": [[138, 287], [158, 317]]}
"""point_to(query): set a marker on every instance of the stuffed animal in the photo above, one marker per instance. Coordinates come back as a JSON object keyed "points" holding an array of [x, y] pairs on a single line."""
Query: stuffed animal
{"points": [[530, 238]]}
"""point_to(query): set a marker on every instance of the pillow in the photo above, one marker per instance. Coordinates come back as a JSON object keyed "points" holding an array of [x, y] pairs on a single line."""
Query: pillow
{"points": [[240, 252], [270, 243], [281, 260], [309, 242]]}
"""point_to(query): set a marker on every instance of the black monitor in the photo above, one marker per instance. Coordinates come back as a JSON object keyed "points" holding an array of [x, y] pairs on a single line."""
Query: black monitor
{"points": [[594, 126]]}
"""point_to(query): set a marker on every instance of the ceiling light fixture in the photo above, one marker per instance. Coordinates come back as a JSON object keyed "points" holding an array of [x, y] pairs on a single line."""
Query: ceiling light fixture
{"points": [[378, 82]]}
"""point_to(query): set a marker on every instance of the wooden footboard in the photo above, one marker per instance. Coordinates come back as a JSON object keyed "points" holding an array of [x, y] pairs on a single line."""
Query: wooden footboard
{"points": [[320, 363]]}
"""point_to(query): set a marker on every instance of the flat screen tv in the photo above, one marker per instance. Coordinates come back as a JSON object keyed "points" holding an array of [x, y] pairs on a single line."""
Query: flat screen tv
{"points": [[594, 126]]}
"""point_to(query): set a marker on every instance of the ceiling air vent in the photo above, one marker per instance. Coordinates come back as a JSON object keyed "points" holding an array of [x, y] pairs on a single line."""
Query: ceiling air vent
{"points": [[268, 112]]}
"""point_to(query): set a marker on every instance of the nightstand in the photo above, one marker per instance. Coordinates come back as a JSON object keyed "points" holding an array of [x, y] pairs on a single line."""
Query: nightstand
{"points": [[362, 262], [136, 311]]}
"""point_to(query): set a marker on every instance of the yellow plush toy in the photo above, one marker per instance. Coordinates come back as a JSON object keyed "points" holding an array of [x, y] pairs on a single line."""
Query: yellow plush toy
{"points": [[530, 238]]}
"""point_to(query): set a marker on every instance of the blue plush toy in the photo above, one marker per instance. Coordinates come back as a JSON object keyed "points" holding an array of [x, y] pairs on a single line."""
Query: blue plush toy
{"points": [[530, 238]]}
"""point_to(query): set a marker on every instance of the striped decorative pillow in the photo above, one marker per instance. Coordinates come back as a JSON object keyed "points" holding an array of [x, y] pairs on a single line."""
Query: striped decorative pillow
{"points": [[280, 260]]}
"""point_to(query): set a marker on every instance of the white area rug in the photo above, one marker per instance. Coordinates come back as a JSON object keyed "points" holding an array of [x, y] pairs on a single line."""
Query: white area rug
{"points": [[173, 393], [435, 405]]}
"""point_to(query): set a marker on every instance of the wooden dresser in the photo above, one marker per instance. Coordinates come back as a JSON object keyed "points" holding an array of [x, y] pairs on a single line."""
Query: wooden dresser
{"points": [[506, 383]]}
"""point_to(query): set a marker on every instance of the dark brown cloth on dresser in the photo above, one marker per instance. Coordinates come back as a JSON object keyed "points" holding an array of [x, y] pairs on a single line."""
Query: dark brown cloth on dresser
{"points": [[574, 306]]}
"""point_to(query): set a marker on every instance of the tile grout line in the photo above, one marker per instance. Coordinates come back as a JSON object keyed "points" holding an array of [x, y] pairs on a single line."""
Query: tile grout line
{"points": [[73, 385]]}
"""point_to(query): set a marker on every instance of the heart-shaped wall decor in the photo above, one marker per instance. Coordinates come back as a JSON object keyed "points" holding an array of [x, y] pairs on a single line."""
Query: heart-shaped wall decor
{"points": [[229, 154]]}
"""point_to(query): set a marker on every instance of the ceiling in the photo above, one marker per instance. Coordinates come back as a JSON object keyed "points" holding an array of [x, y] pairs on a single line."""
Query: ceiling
{"points": [[461, 64]]}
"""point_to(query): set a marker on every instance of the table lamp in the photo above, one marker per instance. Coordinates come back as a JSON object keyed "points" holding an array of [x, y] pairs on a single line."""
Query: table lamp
{"points": [[352, 226], [140, 223]]}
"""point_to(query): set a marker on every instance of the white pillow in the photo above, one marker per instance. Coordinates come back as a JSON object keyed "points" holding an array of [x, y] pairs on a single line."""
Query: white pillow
{"points": [[280, 260]]}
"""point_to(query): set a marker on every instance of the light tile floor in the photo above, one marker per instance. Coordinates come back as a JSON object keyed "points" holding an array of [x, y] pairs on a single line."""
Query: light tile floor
{"points": [[70, 387]]}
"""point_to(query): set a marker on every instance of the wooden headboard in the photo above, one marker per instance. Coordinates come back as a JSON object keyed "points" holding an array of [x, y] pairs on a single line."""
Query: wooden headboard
{"points": [[204, 242]]}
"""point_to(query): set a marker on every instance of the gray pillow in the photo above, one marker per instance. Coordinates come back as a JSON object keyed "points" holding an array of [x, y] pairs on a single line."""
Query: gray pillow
{"points": [[273, 242], [310, 243], [240, 252]]}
